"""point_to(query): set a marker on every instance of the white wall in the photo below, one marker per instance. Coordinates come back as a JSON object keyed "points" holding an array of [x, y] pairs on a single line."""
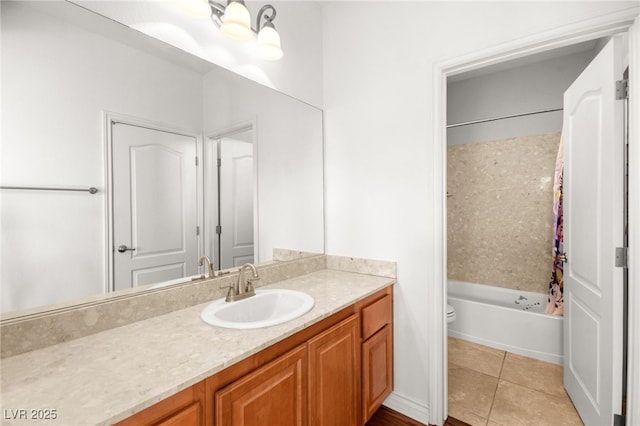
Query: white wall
{"points": [[57, 80], [379, 144], [532, 87]]}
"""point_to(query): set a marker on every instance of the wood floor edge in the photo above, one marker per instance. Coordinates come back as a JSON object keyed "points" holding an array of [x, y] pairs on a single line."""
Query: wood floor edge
{"points": [[385, 416], [455, 422]]}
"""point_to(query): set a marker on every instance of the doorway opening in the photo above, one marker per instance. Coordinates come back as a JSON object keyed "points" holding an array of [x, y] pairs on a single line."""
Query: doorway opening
{"points": [[229, 169], [503, 142], [606, 26]]}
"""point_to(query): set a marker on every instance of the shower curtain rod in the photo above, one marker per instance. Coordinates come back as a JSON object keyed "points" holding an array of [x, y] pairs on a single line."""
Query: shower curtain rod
{"points": [[485, 120]]}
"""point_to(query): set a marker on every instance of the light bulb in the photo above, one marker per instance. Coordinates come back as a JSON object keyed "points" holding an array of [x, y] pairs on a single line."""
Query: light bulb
{"points": [[236, 23], [269, 43]]}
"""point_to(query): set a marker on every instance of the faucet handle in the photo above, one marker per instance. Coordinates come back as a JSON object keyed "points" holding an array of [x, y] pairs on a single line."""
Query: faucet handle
{"points": [[231, 293]]}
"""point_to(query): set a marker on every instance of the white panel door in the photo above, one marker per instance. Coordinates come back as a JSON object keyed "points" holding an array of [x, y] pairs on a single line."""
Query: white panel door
{"points": [[236, 203], [154, 206], [593, 208]]}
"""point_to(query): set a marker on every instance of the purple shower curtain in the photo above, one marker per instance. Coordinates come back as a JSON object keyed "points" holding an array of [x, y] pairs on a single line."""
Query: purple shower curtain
{"points": [[555, 301]]}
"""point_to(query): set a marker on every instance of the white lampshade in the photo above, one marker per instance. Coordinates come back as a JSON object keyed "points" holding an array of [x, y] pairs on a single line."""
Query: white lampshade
{"points": [[269, 43], [237, 22], [195, 8]]}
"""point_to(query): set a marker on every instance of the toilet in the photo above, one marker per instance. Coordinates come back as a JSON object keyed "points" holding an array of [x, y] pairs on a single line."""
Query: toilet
{"points": [[451, 314]]}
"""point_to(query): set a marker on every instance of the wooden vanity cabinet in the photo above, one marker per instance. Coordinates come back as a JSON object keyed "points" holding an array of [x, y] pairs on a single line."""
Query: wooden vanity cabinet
{"points": [[315, 383], [334, 372]]}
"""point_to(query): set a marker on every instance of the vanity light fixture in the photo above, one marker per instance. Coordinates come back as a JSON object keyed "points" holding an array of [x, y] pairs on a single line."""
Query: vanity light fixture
{"points": [[235, 22]]}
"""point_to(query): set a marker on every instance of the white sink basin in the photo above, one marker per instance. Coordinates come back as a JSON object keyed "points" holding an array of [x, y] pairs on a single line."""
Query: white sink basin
{"points": [[266, 308]]}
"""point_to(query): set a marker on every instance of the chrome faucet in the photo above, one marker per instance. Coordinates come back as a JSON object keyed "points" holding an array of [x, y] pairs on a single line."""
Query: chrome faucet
{"points": [[243, 287], [211, 272]]}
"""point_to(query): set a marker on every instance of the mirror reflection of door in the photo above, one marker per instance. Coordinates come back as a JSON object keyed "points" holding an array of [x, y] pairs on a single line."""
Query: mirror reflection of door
{"points": [[154, 206], [235, 203]]}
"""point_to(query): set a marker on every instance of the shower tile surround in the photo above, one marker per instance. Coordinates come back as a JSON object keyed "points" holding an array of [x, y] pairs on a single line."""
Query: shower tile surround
{"points": [[38, 330], [500, 211]]}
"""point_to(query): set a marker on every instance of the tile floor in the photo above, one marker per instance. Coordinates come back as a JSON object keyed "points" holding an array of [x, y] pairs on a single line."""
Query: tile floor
{"points": [[490, 387]]}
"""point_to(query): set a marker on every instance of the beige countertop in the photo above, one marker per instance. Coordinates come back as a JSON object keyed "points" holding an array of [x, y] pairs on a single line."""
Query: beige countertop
{"points": [[106, 377]]}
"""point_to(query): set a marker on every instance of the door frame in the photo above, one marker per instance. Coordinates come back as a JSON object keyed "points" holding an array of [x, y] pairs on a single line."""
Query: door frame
{"points": [[622, 21], [108, 118]]}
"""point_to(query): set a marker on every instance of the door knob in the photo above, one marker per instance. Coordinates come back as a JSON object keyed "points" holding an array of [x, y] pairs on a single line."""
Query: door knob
{"points": [[122, 248]]}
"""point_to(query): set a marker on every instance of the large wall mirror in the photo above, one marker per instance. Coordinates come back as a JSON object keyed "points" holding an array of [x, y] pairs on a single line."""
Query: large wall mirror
{"points": [[90, 103]]}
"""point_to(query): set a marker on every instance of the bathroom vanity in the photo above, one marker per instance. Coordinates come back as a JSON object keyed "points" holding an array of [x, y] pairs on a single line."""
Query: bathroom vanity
{"points": [[334, 362], [336, 371]]}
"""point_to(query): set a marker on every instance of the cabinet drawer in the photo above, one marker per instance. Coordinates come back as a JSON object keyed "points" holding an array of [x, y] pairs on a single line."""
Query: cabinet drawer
{"points": [[375, 316]]}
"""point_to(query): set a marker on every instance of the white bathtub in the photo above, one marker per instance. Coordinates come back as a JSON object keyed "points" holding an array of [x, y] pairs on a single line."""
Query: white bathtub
{"points": [[511, 320]]}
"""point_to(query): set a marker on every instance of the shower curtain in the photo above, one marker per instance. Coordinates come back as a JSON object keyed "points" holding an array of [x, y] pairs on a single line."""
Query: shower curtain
{"points": [[555, 300]]}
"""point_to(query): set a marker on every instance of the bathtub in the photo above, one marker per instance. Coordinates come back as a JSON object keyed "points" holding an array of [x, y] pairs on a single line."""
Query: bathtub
{"points": [[511, 320]]}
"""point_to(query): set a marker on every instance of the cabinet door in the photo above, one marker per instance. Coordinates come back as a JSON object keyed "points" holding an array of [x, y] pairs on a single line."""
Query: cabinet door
{"points": [[334, 375], [275, 394], [186, 408], [189, 416], [377, 370]]}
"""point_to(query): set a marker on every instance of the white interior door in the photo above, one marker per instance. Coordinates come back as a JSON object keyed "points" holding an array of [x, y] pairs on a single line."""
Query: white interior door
{"points": [[593, 208], [236, 202], [154, 206]]}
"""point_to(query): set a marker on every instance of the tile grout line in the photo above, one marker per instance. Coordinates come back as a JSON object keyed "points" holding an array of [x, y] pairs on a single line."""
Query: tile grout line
{"points": [[493, 400], [504, 359], [526, 386], [534, 389], [461, 367], [475, 371]]}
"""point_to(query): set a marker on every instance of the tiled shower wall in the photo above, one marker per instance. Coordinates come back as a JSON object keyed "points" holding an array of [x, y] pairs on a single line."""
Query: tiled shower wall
{"points": [[500, 211]]}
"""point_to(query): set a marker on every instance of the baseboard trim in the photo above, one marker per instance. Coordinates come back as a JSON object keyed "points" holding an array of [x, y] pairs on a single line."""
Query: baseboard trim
{"points": [[407, 406]]}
